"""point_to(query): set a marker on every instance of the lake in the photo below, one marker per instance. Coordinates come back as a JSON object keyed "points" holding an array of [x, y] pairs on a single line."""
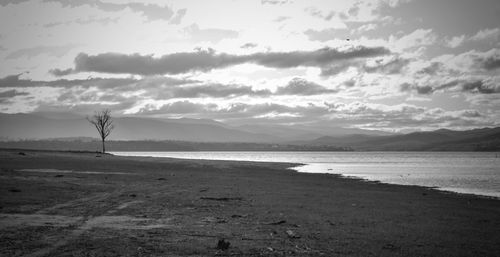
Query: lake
{"points": [[462, 172]]}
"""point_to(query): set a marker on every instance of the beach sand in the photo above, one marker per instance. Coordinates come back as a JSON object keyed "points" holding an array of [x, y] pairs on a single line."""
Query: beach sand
{"points": [[88, 204]]}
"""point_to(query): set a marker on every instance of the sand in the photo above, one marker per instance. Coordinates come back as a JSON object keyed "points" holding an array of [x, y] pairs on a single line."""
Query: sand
{"points": [[87, 204]]}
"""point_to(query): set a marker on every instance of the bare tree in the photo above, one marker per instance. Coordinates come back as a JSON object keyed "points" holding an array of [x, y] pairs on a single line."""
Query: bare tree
{"points": [[103, 123]]}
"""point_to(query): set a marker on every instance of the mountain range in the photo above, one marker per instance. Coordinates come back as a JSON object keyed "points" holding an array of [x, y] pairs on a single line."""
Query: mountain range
{"points": [[47, 125], [213, 135]]}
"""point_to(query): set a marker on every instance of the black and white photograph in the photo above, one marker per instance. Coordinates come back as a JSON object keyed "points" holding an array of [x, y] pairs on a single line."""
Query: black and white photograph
{"points": [[152, 128]]}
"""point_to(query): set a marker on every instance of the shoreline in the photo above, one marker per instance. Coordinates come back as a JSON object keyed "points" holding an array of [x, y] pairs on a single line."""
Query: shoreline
{"points": [[182, 207], [466, 191]]}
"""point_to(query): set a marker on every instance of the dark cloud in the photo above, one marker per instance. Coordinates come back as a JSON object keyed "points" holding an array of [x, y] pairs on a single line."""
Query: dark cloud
{"points": [[14, 81], [7, 2], [298, 86], [211, 90], [424, 90], [7, 95], [60, 73], [150, 11], [211, 35], [337, 68], [178, 16], [248, 45], [205, 60], [432, 69], [394, 66], [479, 86], [470, 86], [491, 63], [102, 83]]}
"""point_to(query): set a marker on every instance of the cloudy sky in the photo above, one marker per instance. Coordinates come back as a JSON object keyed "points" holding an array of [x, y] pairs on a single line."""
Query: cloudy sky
{"points": [[394, 65]]}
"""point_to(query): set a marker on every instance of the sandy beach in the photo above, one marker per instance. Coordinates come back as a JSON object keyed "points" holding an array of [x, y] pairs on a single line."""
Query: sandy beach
{"points": [[88, 204]]}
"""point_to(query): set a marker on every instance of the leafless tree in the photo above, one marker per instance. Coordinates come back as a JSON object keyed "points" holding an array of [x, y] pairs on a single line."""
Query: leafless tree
{"points": [[103, 123]]}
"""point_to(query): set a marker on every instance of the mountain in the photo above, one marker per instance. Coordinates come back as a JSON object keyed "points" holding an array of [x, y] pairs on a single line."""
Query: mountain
{"points": [[297, 133], [76, 128], [49, 125], [29, 126], [439, 140]]}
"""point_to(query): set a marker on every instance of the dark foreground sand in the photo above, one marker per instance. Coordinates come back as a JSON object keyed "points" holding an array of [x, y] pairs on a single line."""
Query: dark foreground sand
{"points": [[79, 204]]}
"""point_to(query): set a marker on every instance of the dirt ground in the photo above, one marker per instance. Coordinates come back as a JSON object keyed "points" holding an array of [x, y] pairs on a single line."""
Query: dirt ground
{"points": [[87, 204]]}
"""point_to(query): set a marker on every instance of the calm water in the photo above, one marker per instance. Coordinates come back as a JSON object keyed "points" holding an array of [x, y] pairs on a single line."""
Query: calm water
{"points": [[463, 172]]}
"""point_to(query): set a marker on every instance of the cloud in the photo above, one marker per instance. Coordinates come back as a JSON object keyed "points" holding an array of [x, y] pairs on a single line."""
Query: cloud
{"points": [[160, 87], [5, 96], [60, 73], [150, 11], [456, 41], [14, 81], [248, 45], [299, 86], [392, 66], [470, 86], [211, 35], [101, 83], [491, 63], [7, 2], [275, 2], [486, 34], [482, 35], [489, 60], [314, 12], [213, 90], [281, 18], [480, 86], [432, 69], [80, 21], [178, 16], [327, 34], [56, 51], [205, 60], [354, 114]]}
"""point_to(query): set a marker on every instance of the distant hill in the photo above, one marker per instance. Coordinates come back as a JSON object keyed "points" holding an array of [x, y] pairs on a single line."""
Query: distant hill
{"points": [[74, 128], [485, 139], [67, 125], [296, 133], [29, 126]]}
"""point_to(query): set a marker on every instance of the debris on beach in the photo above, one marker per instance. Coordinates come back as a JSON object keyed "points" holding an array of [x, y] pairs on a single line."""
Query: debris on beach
{"points": [[277, 222], [225, 199], [22, 153], [291, 234], [222, 244]]}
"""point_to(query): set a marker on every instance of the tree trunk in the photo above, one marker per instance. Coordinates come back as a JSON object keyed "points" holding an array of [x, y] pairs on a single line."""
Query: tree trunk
{"points": [[103, 148]]}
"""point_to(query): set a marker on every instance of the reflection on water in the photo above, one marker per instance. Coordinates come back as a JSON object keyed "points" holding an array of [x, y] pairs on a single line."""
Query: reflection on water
{"points": [[463, 172]]}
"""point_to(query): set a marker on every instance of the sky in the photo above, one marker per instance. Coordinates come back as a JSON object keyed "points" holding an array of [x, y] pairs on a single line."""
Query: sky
{"points": [[391, 65]]}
